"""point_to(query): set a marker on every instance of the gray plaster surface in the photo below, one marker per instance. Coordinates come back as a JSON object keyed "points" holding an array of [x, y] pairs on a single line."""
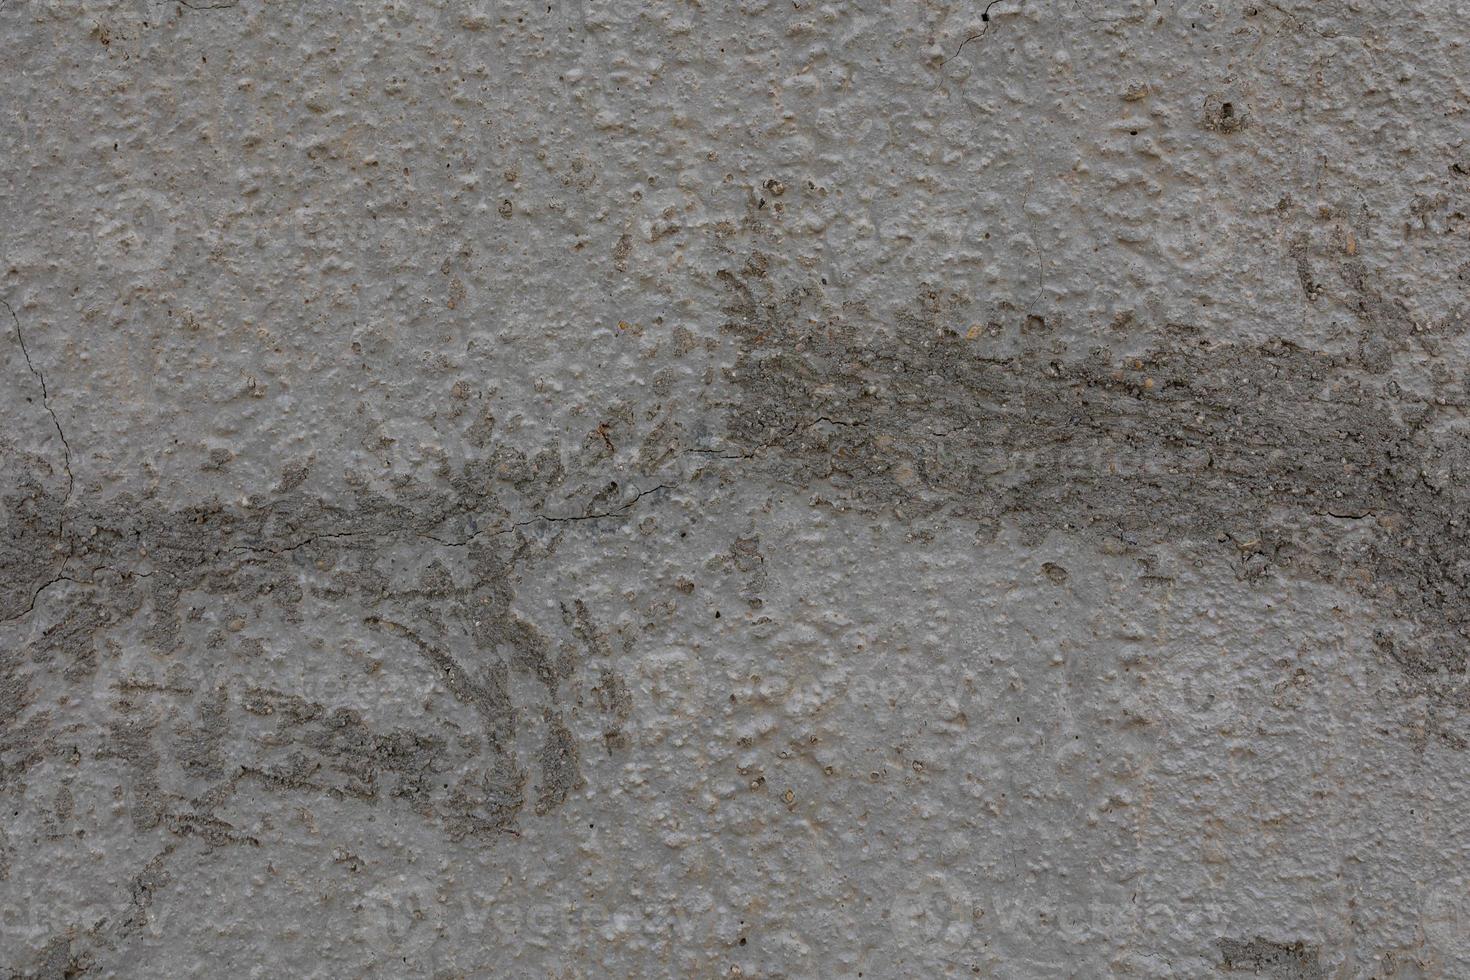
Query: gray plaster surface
{"points": [[705, 489]]}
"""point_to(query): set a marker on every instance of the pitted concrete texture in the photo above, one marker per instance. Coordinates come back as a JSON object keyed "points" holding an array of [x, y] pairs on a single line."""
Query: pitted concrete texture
{"points": [[768, 489]]}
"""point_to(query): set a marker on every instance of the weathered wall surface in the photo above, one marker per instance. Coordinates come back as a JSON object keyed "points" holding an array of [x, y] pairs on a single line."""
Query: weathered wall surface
{"points": [[765, 489]]}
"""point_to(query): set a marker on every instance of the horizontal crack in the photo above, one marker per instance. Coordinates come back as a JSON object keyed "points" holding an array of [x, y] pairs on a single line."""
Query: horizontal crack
{"points": [[554, 518]]}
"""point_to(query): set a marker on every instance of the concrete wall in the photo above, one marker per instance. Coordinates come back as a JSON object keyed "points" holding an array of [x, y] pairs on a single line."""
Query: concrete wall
{"points": [[762, 488]]}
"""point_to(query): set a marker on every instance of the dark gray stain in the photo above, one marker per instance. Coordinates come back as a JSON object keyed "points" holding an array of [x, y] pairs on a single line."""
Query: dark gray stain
{"points": [[1263, 957], [1285, 460]]}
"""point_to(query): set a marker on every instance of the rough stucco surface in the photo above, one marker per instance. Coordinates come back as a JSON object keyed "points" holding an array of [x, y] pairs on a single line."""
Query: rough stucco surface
{"points": [[760, 489]]}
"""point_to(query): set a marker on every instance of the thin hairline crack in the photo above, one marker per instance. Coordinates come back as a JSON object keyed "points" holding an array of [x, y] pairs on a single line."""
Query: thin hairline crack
{"points": [[46, 404]]}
